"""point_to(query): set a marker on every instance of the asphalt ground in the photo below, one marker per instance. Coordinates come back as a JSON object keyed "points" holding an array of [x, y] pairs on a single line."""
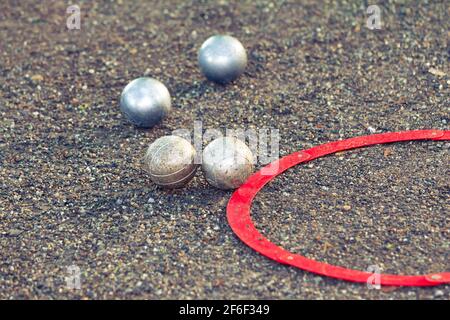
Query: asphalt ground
{"points": [[72, 187]]}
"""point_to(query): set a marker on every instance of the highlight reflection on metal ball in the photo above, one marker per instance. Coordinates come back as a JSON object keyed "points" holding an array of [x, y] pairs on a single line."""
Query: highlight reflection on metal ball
{"points": [[145, 102], [222, 58], [170, 161], [227, 162]]}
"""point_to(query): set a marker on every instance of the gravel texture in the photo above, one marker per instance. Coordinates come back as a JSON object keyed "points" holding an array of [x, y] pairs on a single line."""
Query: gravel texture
{"points": [[72, 186]]}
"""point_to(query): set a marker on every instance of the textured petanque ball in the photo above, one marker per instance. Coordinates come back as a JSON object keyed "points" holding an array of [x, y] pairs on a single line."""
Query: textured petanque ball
{"points": [[170, 161], [145, 102], [227, 162], [222, 58]]}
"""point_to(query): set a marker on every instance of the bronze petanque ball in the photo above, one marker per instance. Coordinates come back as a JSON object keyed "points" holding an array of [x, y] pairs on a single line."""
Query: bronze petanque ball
{"points": [[170, 161], [227, 162]]}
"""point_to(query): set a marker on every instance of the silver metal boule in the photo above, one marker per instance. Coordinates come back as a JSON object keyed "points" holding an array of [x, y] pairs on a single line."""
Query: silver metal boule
{"points": [[145, 102], [222, 58], [227, 162], [170, 161]]}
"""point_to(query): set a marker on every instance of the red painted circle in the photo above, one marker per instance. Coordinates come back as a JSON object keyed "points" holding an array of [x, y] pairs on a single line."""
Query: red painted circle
{"points": [[238, 210]]}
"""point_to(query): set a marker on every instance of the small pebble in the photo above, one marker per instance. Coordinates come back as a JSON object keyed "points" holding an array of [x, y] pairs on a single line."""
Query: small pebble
{"points": [[15, 232], [438, 293], [37, 78], [371, 129]]}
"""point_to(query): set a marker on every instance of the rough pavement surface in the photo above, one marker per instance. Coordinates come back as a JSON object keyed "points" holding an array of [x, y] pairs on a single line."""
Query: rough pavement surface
{"points": [[73, 190]]}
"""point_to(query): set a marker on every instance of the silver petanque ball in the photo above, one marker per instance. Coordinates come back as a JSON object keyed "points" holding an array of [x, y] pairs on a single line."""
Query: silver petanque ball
{"points": [[222, 58], [227, 162], [170, 161], [145, 102]]}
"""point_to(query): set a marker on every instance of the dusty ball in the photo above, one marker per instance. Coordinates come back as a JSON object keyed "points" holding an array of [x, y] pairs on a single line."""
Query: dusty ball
{"points": [[227, 162], [222, 58], [170, 161], [145, 102]]}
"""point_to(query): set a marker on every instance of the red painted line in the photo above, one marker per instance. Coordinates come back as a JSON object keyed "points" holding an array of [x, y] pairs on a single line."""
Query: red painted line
{"points": [[238, 210]]}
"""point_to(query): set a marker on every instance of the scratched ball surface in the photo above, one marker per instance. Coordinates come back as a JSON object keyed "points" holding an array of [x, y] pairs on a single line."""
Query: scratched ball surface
{"points": [[145, 102], [170, 161], [222, 58], [227, 162]]}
